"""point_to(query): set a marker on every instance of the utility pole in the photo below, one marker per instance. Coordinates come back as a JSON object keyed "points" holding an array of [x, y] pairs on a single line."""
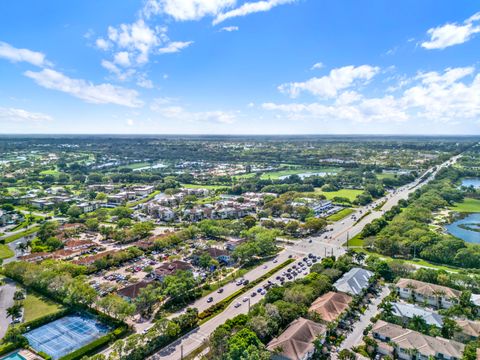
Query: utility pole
{"points": [[348, 236], [181, 351], [248, 305]]}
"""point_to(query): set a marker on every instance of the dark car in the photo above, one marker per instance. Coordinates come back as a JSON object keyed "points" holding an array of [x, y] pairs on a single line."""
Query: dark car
{"points": [[220, 290]]}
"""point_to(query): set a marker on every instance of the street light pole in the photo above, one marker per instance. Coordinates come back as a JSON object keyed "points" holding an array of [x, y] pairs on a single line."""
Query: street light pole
{"points": [[181, 351]]}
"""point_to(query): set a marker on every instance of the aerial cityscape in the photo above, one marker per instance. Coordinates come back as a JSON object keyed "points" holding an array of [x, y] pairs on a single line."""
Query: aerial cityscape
{"points": [[239, 180]]}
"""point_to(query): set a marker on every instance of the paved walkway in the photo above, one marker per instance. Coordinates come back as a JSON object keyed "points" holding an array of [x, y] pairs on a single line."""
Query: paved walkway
{"points": [[355, 337]]}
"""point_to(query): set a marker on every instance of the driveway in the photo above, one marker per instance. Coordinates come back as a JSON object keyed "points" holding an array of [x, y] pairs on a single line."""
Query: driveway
{"points": [[355, 337], [6, 300]]}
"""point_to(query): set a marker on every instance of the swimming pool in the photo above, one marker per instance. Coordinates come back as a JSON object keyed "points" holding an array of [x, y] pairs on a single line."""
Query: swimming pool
{"points": [[13, 356]]}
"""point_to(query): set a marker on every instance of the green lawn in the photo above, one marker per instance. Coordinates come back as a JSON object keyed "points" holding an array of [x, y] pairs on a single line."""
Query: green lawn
{"points": [[468, 205], [357, 243], [50, 172], [350, 194], [209, 187], [5, 252], [277, 174], [340, 215], [36, 306], [385, 176]]}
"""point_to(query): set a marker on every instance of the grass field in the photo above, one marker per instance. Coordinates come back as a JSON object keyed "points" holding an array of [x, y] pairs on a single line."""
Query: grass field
{"points": [[468, 205], [5, 252], [50, 172], [350, 194], [209, 187], [385, 176], [36, 306], [277, 174], [340, 215], [135, 165]]}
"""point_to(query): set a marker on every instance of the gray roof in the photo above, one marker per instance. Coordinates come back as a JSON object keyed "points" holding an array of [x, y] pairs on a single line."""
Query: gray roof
{"points": [[354, 281], [411, 310], [475, 299]]}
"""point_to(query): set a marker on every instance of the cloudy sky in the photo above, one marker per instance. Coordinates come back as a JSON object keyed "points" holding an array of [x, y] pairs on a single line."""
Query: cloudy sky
{"points": [[240, 66]]}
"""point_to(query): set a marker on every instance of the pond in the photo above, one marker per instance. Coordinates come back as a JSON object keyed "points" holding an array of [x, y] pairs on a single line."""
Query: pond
{"points": [[475, 182], [467, 229], [305, 175]]}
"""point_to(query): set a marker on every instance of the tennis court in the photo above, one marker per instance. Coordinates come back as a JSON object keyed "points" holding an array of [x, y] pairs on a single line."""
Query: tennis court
{"points": [[65, 335]]}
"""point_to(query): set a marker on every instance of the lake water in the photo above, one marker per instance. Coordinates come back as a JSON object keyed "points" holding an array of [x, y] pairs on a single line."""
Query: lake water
{"points": [[472, 221], [305, 175], [475, 182]]}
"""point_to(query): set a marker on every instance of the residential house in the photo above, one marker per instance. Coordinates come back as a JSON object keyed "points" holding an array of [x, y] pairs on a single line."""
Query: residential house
{"points": [[233, 242], [89, 206], [431, 294], [331, 305], [88, 260], [4, 218], [408, 311], [131, 292], [297, 341], [171, 268], [143, 190], [408, 344], [354, 282], [223, 256], [469, 330]]}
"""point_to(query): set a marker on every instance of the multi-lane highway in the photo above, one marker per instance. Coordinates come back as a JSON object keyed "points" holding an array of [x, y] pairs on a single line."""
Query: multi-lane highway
{"points": [[328, 243]]}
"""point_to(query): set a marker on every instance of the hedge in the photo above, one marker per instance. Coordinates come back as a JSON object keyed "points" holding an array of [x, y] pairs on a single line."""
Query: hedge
{"points": [[223, 304], [6, 348], [94, 346]]}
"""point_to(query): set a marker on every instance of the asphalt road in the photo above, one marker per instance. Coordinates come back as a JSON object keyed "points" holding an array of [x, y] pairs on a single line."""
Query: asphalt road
{"points": [[6, 300], [318, 245]]}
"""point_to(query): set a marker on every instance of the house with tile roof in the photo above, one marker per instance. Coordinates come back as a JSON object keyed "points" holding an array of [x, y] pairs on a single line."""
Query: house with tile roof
{"points": [[297, 341], [422, 292], [331, 305], [408, 344]]}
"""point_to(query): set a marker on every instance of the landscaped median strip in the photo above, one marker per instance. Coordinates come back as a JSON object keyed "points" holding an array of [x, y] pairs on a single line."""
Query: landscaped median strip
{"points": [[219, 307], [28, 232]]}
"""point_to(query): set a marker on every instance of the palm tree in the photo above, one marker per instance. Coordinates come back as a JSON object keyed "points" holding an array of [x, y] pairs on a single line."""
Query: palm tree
{"points": [[22, 247], [411, 287], [14, 311], [359, 257], [387, 308], [438, 295]]}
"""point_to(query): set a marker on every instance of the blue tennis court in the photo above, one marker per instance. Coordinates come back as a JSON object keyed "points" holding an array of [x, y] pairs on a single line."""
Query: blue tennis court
{"points": [[65, 335]]}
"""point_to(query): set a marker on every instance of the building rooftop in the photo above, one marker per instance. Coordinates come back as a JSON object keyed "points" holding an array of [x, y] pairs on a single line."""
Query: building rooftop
{"points": [[297, 340], [354, 281], [424, 344], [330, 305]]}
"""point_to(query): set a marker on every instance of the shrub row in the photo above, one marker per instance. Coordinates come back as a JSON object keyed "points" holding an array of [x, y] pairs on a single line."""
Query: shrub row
{"points": [[95, 345], [6, 348]]}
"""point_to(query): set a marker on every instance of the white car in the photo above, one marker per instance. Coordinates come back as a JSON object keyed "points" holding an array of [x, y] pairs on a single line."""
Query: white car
{"points": [[237, 305]]}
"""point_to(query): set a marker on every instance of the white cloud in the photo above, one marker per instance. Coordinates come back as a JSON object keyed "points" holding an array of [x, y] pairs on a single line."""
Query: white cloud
{"points": [[102, 44], [328, 86], [122, 58], [82, 89], [182, 10], [120, 74], [138, 39], [144, 82], [174, 46], [22, 55], [166, 109], [130, 122], [20, 115], [447, 35], [230, 28], [447, 96], [317, 66], [250, 8]]}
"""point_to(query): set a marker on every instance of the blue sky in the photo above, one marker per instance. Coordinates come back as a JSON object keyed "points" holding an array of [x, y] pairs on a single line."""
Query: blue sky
{"points": [[240, 67]]}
